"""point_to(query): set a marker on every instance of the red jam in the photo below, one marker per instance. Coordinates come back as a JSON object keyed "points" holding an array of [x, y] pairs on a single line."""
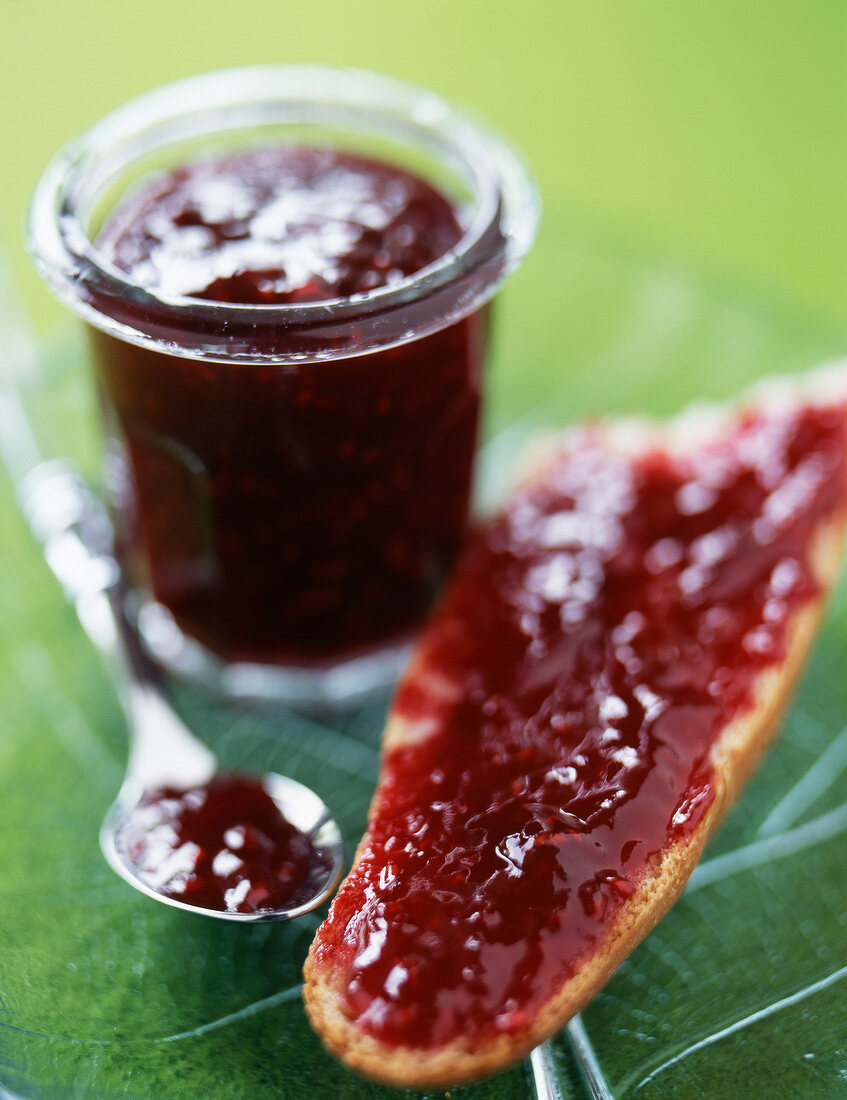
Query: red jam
{"points": [[301, 511], [598, 636], [223, 846]]}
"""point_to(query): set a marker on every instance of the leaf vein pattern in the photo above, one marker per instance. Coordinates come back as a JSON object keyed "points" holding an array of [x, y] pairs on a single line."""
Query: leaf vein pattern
{"points": [[282, 997], [825, 771], [747, 1021], [770, 848]]}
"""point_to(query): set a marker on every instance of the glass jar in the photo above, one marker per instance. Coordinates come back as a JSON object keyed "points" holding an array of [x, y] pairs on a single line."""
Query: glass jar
{"points": [[289, 481]]}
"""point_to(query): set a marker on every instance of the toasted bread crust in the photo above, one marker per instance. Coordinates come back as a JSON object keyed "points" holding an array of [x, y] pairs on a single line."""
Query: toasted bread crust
{"points": [[733, 755]]}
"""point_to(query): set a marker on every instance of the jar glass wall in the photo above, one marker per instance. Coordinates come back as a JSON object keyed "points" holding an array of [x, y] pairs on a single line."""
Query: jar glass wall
{"points": [[289, 478]]}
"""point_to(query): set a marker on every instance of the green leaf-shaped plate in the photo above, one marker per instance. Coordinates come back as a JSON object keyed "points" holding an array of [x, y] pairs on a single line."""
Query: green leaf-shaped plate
{"points": [[740, 991]]}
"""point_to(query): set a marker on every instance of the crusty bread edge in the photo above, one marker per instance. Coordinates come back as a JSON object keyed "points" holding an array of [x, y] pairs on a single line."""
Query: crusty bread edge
{"points": [[734, 755]]}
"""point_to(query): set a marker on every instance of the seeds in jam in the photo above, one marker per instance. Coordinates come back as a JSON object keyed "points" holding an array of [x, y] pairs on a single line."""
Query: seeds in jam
{"points": [[277, 225], [292, 512], [223, 846], [598, 636]]}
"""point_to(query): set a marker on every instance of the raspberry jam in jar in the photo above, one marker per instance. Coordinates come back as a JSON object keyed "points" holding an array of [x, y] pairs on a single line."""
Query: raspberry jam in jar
{"points": [[319, 513], [286, 278]]}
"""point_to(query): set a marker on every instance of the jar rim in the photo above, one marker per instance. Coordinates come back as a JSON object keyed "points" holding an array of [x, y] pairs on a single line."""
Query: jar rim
{"points": [[499, 234]]}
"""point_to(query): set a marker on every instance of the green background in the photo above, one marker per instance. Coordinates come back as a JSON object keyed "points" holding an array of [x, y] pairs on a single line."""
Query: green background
{"points": [[714, 127], [692, 168]]}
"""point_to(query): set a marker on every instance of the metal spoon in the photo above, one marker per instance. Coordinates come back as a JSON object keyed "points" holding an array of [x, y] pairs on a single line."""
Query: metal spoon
{"points": [[75, 533]]}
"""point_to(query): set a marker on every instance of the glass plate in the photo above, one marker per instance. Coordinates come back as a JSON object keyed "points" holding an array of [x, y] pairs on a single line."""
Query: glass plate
{"points": [[739, 991]]}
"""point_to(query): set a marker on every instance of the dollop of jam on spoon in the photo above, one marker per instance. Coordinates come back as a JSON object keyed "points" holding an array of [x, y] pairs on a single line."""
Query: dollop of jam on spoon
{"points": [[237, 847], [224, 845]]}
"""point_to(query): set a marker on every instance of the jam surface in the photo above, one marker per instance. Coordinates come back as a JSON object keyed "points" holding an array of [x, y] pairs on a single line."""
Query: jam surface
{"points": [[297, 512], [597, 637], [275, 225], [222, 846]]}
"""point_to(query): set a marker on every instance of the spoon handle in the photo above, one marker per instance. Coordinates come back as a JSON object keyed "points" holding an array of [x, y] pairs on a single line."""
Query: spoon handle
{"points": [[69, 521], [71, 524]]}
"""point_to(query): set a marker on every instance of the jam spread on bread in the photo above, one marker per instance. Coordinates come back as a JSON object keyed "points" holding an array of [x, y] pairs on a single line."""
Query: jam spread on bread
{"points": [[598, 636]]}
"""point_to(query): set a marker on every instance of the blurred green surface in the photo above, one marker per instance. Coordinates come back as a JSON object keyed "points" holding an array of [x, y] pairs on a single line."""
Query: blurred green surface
{"points": [[713, 127], [669, 140]]}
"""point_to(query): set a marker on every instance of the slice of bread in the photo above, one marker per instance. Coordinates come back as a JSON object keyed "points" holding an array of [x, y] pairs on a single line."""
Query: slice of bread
{"points": [[608, 663]]}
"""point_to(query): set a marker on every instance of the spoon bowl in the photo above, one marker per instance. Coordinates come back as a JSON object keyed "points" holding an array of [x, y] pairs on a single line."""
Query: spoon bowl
{"points": [[164, 754], [297, 803]]}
